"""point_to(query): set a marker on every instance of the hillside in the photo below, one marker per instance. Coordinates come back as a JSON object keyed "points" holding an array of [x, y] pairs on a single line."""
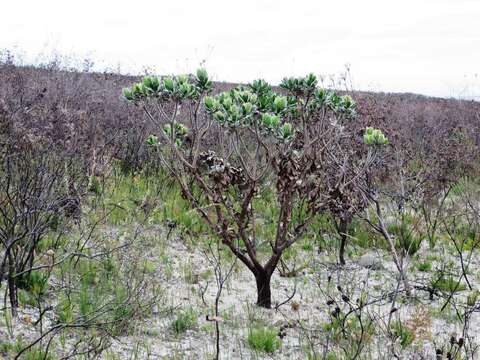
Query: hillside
{"points": [[355, 247]]}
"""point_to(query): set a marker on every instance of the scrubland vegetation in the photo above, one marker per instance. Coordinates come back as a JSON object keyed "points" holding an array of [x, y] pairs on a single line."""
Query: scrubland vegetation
{"points": [[174, 217]]}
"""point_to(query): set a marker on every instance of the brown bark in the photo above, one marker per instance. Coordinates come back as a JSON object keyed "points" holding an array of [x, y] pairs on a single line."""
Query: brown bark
{"points": [[264, 294], [342, 230]]}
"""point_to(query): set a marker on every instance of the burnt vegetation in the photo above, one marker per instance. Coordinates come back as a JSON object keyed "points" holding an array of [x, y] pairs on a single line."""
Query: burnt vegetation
{"points": [[279, 182]]}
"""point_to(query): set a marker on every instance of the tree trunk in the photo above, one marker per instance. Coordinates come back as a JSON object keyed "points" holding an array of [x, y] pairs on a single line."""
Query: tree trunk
{"points": [[12, 292], [343, 241], [264, 295], [12, 285], [342, 229]]}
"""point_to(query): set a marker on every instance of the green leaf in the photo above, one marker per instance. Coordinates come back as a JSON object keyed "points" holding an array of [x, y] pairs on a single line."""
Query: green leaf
{"points": [[203, 83], [374, 137], [333, 101], [151, 83], [286, 131], [247, 108], [270, 121], [260, 87], [182, 79], [348, 106], [294, 85], [279, 104], [227, 102], [152, 140], [180, 130], [168, 84], [186, 90], [209, 103], [138, 91], [311, 81], [128, 94], [219, 116], [202, 76]]}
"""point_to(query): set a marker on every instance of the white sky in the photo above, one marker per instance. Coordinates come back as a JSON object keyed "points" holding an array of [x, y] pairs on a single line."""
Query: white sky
{"points": [[424, 46]]}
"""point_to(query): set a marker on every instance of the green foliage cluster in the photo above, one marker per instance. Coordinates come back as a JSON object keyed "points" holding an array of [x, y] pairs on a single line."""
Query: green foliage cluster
{"points": [[374, 137], [176, 88], [240, 106]]}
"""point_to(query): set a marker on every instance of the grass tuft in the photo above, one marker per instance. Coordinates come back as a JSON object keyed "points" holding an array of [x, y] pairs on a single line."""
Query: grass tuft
{"points": [[264, 339]]}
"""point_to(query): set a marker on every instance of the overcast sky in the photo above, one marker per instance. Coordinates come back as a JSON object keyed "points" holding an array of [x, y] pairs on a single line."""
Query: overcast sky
{"points": [[424, 46]]}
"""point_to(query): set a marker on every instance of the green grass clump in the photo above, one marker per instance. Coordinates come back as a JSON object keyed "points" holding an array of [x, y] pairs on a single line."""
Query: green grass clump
{"points": [[95, 186], [424, 266], [26, 298], [10, 349], [6, 348], [403, 333], [34, 282], [185, 320], [328, 356], [189, 275], [473, 297], [363, 237], [37, 354], [408, 239], [264, 339], [65, 310], [448, 284]]}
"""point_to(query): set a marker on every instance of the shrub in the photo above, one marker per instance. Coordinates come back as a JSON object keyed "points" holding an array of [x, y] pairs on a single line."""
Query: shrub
{"points": [[37, 194]]}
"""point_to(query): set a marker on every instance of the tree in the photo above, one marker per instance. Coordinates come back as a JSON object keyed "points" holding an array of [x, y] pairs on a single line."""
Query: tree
{"points": [[227, 154]]}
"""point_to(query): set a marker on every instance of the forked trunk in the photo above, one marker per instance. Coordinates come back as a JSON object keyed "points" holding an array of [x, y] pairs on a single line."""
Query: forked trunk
{"points": [[264, 294]]}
